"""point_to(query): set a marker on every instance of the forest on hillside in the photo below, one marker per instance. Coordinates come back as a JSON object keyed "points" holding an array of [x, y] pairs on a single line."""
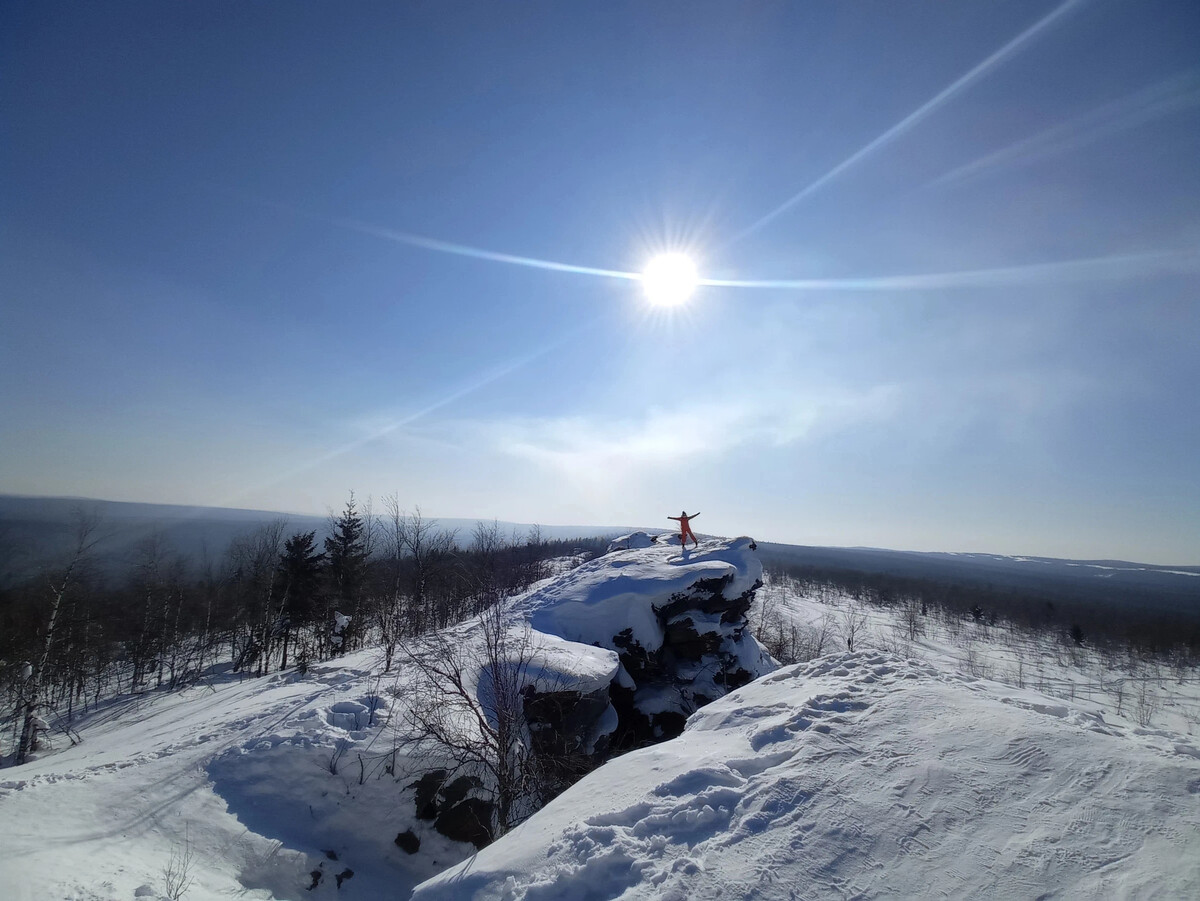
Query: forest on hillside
{"points": [[75, 630], [72, 634]]}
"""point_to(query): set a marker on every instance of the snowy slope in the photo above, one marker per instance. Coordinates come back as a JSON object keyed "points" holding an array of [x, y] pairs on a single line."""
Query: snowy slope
{"points": [[240, 772], [261, 778], [864, 775]]}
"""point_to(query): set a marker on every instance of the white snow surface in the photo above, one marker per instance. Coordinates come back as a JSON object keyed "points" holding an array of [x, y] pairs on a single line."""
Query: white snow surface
{"points": [[858, 775], [556, 664], [620, 590], [863, 775], [261, 778], [631, 541]]}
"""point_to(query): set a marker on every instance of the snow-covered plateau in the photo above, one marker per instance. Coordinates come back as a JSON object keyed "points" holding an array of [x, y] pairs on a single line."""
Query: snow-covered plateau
{"points": [[870, 773]]}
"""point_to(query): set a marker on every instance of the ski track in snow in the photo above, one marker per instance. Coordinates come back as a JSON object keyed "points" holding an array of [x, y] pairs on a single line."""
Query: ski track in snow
{"points": [[164, 767]]}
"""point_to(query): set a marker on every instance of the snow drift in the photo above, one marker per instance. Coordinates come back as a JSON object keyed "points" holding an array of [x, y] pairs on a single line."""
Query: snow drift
{"points": [[863, 775]]}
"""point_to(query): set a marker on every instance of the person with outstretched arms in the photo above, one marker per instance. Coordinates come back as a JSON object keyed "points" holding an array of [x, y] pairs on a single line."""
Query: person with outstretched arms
{"points": [[685, 529]]}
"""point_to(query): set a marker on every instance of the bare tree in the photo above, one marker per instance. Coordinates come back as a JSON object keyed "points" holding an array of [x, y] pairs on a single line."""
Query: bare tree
{"points": [[466, 713], [791, 642], [1146, 702], [159, 578], [177, 871], [853, 625], [59, 585], [534, 567], [912, 616], [256, 559], [388, 610], [209, 587], [487, 544], [1181, 662], [427, 551]]}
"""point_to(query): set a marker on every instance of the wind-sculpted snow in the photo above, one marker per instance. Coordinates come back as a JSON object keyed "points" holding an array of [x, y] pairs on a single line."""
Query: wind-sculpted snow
{"points": [[237, 769], [621, 589], [864, 775], [556, 664], [676, 616]]}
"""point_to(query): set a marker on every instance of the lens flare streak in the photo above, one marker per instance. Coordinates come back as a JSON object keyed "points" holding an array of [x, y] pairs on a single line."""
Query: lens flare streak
{"points": [[912, 119], [1115, 266], [1164, 99], [480, 253], [1112, 266]]}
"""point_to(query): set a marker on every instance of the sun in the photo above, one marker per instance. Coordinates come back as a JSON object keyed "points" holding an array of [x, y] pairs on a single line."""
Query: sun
{"points": [[669, 279]]}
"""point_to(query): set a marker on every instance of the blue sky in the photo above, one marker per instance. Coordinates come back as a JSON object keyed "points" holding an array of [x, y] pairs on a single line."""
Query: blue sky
{"points": [[206, 302]]}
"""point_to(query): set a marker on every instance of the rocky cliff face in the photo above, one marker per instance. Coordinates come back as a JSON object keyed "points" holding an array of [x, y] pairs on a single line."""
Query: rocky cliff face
{"points": [[675, 618], [616, 654]]}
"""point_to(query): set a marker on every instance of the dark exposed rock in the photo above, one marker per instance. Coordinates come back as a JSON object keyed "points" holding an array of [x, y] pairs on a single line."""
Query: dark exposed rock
{"points": [[563, 722], [455, 812], [703, 631], [734, 677], [343, 876], [682, 637], [408, 842], [634, 728], [456, 791], [470, 820], [706, 596], [426, 789], [637, 660], [667, 725]]}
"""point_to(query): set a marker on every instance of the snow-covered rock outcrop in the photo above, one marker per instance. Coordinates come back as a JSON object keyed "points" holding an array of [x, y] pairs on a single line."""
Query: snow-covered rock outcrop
{"points": [[676, 618], [611, 655], [864, 775]]}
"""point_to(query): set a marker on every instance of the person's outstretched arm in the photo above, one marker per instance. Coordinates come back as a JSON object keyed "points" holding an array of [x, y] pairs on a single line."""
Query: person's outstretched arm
{"points": [[693, 516], [675, 518]]}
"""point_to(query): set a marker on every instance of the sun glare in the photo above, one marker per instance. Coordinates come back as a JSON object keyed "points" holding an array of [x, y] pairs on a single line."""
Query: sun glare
{"points": [[669, 279]]}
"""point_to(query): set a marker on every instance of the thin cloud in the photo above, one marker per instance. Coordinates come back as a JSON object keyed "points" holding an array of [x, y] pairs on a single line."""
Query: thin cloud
{"points": [[1158, 101], [916, 116], [663, 437]]}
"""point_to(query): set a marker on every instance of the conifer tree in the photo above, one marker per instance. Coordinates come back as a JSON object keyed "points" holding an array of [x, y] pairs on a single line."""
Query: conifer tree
{"points": [[300, 567], [346, 567]]}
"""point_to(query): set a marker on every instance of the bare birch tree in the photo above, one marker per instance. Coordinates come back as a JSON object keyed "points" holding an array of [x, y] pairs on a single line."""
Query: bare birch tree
{"points": [[466, 713], [58, 585]]}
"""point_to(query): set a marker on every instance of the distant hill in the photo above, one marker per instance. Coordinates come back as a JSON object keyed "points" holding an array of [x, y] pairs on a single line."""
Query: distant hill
{"points": [[34, 530], [1111, 582]]}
